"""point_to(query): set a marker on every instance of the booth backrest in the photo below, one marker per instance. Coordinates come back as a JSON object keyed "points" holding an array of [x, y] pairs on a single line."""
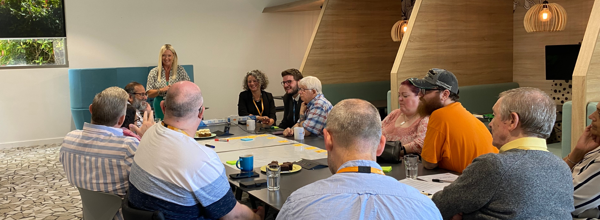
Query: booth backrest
{"points": [[567, 111], [369, 91], [84, 84], [478, 99]]}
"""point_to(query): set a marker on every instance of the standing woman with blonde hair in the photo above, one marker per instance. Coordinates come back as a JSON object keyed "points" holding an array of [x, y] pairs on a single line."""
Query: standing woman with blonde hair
{"points": [[163, 76]]}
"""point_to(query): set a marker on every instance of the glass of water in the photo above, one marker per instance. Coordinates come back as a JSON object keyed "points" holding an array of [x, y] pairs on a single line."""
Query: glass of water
{"points": [[411, 163], [273, 176]]}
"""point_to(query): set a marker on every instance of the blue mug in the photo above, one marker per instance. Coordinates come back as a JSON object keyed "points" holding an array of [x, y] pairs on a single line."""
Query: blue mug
{"points": [[245, 163]]}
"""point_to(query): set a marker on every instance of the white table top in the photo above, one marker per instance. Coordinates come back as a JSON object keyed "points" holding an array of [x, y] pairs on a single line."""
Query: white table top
{"points": [[236, 144], [282, 153]]}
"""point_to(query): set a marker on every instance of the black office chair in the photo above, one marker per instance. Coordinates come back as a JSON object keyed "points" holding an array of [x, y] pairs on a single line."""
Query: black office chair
{"points": [[130, 213]]}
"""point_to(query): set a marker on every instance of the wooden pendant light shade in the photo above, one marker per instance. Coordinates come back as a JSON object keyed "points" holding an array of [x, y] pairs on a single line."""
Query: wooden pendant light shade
{"points": [[399, 29], [545, 17]]}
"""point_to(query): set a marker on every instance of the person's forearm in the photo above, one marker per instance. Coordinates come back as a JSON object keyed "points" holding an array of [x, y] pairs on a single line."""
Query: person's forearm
{"points": [[574, 157], [152, 93]]}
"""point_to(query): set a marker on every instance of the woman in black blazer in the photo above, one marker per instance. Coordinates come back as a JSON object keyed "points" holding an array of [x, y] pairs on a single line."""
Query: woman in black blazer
{"points": [[254, 100]]}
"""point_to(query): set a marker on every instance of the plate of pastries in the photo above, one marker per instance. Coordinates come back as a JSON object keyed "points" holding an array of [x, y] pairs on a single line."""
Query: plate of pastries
{"points": [[204, 134], [286, 167]]}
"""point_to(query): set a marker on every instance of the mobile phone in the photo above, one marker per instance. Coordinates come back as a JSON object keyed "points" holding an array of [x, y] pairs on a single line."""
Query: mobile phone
{"points": [[243, 175], [253, 183]]}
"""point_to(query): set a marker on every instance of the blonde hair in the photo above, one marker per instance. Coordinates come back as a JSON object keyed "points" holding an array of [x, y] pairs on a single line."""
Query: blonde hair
{"points": [[174, 65]]}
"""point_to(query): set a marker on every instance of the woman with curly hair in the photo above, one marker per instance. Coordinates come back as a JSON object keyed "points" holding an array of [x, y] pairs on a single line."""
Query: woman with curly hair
{"points": [[254, 100]]}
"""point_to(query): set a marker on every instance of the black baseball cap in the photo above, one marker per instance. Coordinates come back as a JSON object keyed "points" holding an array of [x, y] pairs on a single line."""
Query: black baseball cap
{"points": [[436, 79]]}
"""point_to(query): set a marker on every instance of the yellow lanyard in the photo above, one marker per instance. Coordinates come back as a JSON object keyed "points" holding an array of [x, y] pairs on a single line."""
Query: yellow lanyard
{"points": [[361, 169], [175, 129], [261, 105]]}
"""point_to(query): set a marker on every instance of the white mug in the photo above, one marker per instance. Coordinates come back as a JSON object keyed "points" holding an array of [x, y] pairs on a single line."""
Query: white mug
{"points": [[299, 133], [250, 125]]}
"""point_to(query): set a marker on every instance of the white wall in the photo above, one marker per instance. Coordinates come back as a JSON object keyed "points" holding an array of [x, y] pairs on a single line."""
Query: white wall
{"points": [[223, 39]]}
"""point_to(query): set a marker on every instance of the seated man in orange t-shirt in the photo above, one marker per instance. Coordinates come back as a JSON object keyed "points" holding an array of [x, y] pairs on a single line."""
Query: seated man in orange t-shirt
{"points": [[454, 136]]}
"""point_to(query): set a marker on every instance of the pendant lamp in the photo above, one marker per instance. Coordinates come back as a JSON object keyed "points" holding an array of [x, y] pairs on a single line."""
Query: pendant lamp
{"points": [[399, 29], [545, 17]]}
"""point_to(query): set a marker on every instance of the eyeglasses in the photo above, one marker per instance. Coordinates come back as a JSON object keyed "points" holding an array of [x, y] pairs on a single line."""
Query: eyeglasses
{"points": [[286, 82], [303, 90], [140, 93], [201, 109]]}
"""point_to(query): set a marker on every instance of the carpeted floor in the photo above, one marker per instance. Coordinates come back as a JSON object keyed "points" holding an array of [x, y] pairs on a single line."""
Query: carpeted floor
{"points": [[33, 185]]}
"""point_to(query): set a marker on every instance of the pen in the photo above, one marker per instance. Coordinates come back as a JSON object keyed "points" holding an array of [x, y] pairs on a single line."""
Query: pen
{"points": [[424, 193], [441, 181], [208, 145], [222, 140]]}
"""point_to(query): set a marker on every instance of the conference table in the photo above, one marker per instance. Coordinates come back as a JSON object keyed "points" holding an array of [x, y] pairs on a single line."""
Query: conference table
{"points": [[292, 149]]}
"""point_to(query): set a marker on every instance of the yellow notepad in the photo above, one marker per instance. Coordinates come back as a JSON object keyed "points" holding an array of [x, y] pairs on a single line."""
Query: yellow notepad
{"points": [[284, 141], [310, 148], [321, 151], [298, 145]]}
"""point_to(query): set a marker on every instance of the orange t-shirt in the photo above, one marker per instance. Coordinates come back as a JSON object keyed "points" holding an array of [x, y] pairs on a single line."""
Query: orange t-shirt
{"points": [[455, 137]]}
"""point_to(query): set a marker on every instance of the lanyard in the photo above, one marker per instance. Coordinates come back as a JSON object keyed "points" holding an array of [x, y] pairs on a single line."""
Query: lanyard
{"points": [[361, 169], [175, 129], [262, 106]]}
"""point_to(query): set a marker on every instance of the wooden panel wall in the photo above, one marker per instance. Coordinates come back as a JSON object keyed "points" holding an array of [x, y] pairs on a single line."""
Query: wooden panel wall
{"points": [[529, 48], [586, 77], [352, 41], [471, 38]]}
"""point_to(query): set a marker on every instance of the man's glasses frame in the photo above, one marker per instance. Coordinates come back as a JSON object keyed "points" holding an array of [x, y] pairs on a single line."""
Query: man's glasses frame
{"points": [[140, 93], [286, 82]]}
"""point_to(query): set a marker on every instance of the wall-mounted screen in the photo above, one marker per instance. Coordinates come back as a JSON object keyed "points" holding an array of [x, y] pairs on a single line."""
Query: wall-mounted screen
{"points": [[560, 61]]}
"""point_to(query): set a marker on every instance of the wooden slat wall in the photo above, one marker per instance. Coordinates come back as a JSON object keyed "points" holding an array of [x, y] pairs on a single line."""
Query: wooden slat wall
{"points": [[586, 76], [352, 42], [471, 38], [529, 66]]}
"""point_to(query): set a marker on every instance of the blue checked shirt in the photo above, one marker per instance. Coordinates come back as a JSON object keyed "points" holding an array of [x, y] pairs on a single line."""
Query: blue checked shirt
{"points": [[316, 113], [98, 158]]}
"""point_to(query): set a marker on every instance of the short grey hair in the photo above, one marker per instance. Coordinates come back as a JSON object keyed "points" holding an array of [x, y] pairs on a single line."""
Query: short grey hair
{"points": [[536, 110], [261, 78], [109, 105], [182, 104], [354, 120], [311, 82]]}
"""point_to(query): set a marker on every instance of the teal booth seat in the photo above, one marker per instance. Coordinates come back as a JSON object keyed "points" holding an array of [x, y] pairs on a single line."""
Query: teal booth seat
{"points": [[84, 84], [477, 99], [567, 114], [369, 91]]}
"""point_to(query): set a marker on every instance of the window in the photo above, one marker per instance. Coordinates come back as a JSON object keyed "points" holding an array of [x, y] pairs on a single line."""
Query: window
{"points": [[33, 33]]}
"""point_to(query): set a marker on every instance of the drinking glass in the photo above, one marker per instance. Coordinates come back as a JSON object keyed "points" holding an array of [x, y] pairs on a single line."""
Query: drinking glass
{"points": [[273, 177], [411, 163]]}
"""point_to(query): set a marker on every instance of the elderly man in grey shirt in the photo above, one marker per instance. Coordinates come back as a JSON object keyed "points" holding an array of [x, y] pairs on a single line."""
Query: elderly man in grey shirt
{"points": [[523, 181]]}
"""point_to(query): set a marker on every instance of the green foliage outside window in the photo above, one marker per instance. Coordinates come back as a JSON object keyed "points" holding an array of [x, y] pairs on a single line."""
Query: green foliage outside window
{"points": [[33, 32]]}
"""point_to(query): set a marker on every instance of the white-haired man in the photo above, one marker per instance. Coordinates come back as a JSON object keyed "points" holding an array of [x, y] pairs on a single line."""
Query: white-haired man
{"points": [[314, 109], [99, 157], [358, 188], [523, 181], [174, 174]]}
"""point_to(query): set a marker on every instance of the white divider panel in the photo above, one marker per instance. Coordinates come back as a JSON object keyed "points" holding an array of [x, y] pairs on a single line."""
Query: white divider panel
{"points": [[258, 141], [284, 153]]}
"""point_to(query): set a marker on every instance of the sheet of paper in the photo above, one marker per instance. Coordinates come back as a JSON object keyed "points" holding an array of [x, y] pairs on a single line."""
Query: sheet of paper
{"points": [[442, 176], [423, 186]]}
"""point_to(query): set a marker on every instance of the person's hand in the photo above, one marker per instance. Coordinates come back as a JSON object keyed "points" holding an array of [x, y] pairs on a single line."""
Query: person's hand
{"points": [[587, 141], [148, 121], [288, 132], [164, 89], [148, 107], [264, 120], [303, 108], [457, 216], [260, 211]]}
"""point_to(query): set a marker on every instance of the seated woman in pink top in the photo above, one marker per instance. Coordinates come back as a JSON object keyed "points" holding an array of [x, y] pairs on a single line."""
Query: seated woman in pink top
{"points": [[405, 124]]}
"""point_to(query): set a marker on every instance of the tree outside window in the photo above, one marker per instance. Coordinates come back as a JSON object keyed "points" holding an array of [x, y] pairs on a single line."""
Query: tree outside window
{"points": [[32, 33]]}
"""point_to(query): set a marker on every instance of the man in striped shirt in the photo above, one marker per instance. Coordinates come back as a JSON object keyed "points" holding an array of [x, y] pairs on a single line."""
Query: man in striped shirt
{"points": [[586, 170], [99, 157]]}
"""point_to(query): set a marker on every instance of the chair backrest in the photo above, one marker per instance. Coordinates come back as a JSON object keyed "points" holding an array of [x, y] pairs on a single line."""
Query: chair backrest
{"points": [[99, 205], [129, 213]]}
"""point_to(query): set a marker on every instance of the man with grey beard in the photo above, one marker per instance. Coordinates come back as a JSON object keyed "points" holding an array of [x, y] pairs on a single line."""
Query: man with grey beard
{"points": [[137, 99]]}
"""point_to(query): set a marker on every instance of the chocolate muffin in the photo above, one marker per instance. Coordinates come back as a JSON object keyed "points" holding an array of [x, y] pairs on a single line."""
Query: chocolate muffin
{"points": [[287, 166]]}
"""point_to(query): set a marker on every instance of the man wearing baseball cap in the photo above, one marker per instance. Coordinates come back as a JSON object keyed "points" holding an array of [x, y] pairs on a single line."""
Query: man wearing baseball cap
{"points": [[454, 136]]}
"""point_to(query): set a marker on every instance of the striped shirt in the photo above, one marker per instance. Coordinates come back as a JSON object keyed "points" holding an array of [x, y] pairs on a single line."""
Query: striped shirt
{"points": [[586, 179], [316, 115], [98, 158], [174, 174]]}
